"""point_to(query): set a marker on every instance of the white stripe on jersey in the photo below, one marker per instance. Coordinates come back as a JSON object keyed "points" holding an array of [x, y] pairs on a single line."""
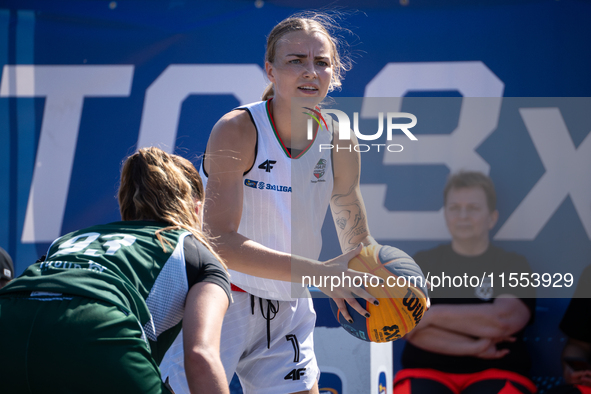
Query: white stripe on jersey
{"points": [[285, 201]]}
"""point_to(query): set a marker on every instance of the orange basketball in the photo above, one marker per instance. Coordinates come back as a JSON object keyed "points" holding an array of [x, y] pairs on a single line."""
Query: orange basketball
{"points": [[403, 295]]}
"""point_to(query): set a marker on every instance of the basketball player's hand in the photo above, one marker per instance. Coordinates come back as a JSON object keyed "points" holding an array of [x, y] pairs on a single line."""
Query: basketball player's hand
{"points": [[347, 278]]}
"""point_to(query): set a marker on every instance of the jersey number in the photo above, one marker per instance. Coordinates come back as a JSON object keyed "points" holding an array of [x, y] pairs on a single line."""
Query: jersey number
{"points": [[295, 374], [82, 241], [296, 347]]}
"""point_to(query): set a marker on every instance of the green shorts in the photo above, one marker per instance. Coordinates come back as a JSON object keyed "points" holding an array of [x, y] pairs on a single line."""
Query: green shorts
{"points": [[70, 344]]}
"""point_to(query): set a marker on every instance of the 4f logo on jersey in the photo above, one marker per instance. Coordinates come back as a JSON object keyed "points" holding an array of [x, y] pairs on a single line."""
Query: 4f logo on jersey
{"points": [[295, 374], [267, 165]]}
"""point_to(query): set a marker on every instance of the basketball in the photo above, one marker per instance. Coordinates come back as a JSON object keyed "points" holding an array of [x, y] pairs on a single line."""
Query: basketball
{"points": [[403, 295]]}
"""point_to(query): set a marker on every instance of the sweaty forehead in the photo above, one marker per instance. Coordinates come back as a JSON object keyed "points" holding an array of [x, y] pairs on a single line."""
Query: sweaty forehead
{"points": [[304, 42]]}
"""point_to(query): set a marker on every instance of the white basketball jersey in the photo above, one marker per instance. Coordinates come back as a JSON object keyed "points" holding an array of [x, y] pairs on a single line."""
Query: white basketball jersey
{"points": [[285, 200]]}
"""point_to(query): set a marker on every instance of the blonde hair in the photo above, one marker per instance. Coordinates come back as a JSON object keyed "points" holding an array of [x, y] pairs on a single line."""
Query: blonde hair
{"points": [[159, 186], [315, 22]]}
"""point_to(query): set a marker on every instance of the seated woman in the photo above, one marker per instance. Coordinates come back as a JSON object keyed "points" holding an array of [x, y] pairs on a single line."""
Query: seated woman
{"points": [[470, 339]]}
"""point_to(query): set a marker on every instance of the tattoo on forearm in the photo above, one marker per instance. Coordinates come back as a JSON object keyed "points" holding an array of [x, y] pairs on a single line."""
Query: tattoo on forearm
{"points": [[360, 230], [350, 219]]}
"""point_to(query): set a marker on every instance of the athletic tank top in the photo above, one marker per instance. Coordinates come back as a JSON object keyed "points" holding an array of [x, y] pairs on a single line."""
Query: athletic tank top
{"points": [[121, 263], [285, 200]]}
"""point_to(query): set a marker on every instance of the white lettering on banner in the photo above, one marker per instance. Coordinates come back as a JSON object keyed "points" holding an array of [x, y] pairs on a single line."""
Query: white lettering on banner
{"points": [[567, 173], [64, 88], [165, 96], [478, 119]]}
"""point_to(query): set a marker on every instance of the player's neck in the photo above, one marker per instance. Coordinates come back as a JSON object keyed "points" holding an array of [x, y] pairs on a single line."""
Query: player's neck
{"points": [[470, 247], [286, 121]]}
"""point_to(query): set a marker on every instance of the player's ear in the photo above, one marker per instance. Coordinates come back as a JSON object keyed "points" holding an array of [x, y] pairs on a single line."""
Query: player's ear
{"points": [[270, 71], [198, 207]]}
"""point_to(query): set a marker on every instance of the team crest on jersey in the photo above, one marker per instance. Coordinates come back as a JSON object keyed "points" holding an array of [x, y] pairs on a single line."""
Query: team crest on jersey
{"points": [[319, 171]]}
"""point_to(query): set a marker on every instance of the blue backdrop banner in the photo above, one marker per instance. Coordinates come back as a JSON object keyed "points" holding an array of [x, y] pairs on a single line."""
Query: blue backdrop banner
{"points": [[84, 83]]}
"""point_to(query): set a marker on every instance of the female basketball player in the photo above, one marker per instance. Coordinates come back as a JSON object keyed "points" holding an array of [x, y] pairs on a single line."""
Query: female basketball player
{"points": [[268, 188], [97, 315]]}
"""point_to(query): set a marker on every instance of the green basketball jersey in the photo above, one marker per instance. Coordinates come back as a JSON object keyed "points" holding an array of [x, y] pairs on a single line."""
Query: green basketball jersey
{"points": [[124, 264]]}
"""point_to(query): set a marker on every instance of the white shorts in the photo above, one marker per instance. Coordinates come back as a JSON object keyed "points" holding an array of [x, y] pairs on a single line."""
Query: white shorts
{"points": [[287, 366]]}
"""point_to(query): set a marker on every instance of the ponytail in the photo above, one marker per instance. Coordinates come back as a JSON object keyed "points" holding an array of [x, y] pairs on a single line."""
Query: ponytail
{"points": [[269, 92]]}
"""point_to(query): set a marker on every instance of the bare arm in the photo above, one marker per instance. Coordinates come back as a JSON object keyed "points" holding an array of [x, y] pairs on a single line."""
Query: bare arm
{"points": [[502, 318], [347, 207], [439, 340], [346, 204], [205, 308], [230, 154], [442, 341]]}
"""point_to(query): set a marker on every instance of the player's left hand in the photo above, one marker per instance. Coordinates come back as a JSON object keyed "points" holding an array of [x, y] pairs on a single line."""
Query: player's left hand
{"points": [[346, 292], [342, 305]]}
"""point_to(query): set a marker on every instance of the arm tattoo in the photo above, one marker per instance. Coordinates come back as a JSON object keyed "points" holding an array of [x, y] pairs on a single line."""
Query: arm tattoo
{"points": [[349, 218]]}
